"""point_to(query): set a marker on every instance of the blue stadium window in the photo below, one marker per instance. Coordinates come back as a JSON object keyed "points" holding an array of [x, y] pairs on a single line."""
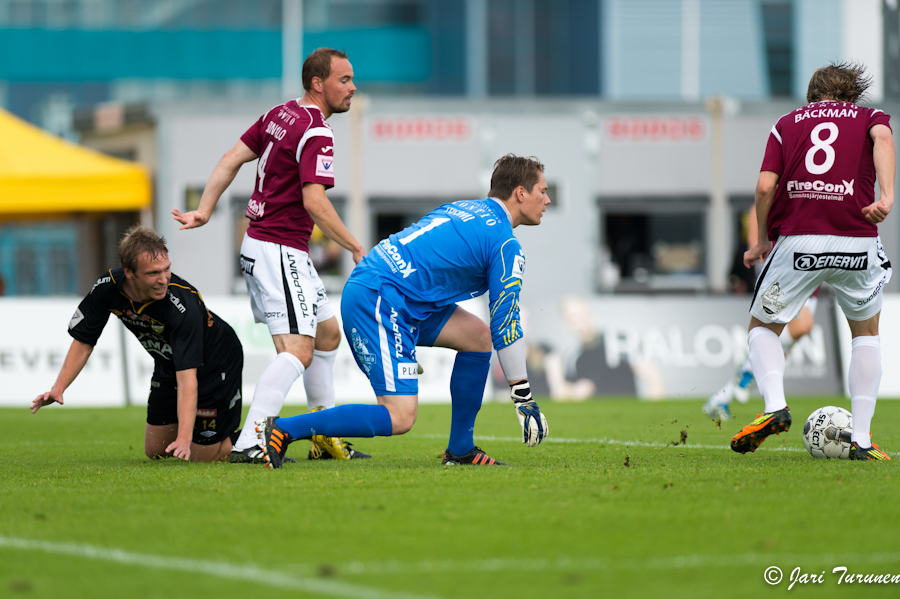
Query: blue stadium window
{"points": [[778, 25], [39, 259]]}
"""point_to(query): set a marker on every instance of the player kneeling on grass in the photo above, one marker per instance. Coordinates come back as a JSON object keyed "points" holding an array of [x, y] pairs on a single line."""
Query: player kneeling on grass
{"points": [[816, 198], [195, 391], [403, 294]]}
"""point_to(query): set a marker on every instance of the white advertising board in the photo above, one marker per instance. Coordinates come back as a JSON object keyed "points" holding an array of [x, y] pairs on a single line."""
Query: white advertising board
{"points": [[33, 346], [32, 351], [660, 347], [650, 347], [889, 334]]}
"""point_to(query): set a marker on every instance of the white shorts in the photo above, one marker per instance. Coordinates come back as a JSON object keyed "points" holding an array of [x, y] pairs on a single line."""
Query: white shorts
{"points": [[811, 303], [286, 292], [856, 267]]}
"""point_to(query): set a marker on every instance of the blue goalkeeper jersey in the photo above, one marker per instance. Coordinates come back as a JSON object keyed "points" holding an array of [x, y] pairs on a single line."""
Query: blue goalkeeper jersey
{"points": [[457, 252]]}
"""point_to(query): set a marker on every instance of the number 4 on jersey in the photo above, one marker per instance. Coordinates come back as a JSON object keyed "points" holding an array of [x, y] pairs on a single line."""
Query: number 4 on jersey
{"points": [[261, 165]]}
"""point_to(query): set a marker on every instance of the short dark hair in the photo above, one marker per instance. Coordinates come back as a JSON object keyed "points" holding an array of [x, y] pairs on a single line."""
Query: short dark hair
{"points": [[318, 64], [511, 171], [137, 240], [842, 81]]}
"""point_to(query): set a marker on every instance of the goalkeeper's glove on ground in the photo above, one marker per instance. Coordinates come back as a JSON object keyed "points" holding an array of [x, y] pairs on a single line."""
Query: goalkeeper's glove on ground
{"points": [[534, 425]]}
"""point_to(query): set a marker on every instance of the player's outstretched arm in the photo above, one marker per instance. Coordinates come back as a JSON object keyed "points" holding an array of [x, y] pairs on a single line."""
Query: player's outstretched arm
{"points": [[533, 423], [78, 355], [222, 176], [884, 156], [326, 218], [186, 384]]}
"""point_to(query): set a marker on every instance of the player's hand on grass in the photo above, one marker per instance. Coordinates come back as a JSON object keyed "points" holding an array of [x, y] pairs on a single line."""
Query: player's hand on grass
{"points": [[180, 449], [760, 251], [190, 220], [533, 423], [45, 399]]}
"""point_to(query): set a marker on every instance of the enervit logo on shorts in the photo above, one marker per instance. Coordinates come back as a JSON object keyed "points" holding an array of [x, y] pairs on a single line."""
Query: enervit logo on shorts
{"points": [[247, 264], [836, 260]]}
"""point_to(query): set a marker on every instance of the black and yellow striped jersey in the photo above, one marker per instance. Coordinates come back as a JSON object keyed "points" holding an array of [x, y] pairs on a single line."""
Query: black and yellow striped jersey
{"points": [[179, 331]]}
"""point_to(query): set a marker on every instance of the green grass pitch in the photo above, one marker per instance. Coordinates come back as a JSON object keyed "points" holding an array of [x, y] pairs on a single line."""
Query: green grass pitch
{"points": [[626, 499]]}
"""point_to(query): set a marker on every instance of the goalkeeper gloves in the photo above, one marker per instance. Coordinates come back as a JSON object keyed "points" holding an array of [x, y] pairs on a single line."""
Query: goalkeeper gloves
{"points": [[534, 425]]}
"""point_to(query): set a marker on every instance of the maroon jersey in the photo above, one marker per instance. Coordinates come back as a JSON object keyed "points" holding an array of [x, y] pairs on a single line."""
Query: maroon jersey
{"points": [[295, 146], [822, 153]]}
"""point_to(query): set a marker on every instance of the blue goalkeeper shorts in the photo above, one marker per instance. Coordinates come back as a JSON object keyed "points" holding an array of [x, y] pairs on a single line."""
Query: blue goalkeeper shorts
{"points": [[383, 332]]}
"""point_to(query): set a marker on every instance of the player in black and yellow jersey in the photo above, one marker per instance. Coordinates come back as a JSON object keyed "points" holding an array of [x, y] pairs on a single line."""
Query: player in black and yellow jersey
{"points": [[194, 406]]}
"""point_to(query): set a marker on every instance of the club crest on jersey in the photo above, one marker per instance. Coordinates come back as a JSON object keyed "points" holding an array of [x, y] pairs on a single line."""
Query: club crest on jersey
{"points": [[771, 299], [365, 358], [518, 267], [324, 166], [144, 321]]}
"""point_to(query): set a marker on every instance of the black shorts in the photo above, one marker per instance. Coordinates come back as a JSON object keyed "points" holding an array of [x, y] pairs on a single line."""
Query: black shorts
{"points": [[218, 404]]}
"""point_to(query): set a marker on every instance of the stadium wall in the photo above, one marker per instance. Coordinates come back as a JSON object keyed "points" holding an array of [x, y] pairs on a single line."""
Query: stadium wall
{"points": [[600, 157], [579, 347]]}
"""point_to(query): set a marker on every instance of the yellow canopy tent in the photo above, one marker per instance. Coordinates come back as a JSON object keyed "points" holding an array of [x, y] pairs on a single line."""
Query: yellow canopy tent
{"points": [[41, 173]]}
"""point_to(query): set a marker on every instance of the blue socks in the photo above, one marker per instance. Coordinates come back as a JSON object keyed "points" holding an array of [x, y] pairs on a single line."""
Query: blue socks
{"points": [[470, 372], [354, 420]]}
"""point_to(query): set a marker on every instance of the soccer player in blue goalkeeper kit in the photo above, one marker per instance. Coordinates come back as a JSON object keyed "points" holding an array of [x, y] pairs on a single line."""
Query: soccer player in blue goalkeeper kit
{"points": [[403, 294]]}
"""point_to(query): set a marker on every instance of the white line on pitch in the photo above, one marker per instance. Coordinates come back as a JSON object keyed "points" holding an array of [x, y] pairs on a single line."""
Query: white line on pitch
{"points": [[677, 562], [626, 443], [252, 573], [604, 441], [249, 573]]}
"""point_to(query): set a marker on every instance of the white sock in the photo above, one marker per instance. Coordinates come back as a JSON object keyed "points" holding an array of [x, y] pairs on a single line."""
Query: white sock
{"points": [[864, 379], [725, 395], [268, 397], [767, 360], [318, 380], [787, 342]]}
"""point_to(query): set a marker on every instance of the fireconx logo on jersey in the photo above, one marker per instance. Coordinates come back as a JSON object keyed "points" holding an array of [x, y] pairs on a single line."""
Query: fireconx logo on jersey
{"points": [[846, 188], [392, 256]]}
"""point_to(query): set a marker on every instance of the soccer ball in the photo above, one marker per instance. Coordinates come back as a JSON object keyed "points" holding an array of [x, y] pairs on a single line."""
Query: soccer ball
{"points": [[826, 433]]}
